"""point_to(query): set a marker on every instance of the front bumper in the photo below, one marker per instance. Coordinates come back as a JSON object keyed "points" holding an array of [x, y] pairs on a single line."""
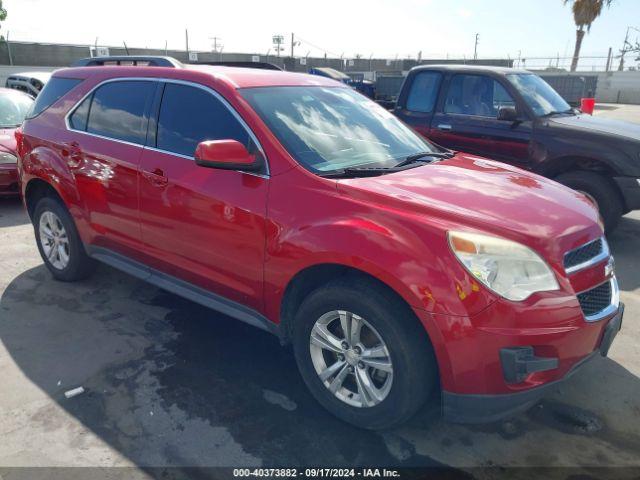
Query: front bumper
{"points": [[472, 408], [630, 190]]}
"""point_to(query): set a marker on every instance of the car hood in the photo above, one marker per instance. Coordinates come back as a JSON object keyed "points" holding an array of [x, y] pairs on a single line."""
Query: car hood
{"points": [[8, 139], [473, 193], [598, 125]]}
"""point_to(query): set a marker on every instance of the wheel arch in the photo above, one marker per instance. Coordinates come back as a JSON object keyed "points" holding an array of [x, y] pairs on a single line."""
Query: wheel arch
{"points": [[35, 190], [558, 165], [315, 276]]}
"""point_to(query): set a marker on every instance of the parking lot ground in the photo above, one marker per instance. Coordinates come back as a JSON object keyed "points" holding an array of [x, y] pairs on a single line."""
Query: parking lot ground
{"points": [[628, 113], [169, 383]]}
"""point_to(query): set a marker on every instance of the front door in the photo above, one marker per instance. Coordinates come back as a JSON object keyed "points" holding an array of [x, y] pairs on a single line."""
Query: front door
{"points": [[467, 120], [202, 225]]}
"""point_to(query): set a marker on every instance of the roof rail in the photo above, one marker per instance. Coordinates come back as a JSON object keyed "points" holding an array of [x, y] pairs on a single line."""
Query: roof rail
{"points": [[259, 65], [142, 60]]}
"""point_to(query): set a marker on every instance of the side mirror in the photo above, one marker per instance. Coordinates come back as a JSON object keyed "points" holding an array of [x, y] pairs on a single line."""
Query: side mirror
{"points": [[507, 114], [226, 155]]}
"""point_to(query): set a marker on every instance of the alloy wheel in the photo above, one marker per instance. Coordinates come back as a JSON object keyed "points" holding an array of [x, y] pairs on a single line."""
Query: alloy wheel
{"points": [[54, 240], [351, 359]]}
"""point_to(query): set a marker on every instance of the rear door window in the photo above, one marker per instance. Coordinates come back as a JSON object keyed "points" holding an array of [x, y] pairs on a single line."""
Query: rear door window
{"points": [[190, 115], [119, 110], [424, 92], [54, 90]]}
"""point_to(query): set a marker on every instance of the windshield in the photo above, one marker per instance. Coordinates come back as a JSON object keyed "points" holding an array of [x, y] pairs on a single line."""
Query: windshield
{"points": [[13, 109], [538, 94], [330, 128]]}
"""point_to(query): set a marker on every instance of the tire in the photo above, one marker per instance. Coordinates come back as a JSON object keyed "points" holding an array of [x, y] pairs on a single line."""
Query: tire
{"points": [[601, 190], [379, 312], [69, 262]]}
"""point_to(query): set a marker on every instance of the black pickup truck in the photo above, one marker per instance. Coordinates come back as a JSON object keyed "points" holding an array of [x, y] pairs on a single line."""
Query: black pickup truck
{"points": [[516, 117]]}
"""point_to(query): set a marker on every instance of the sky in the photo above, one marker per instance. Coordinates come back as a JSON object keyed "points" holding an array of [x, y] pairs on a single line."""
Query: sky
{"points": [[382, 28]]}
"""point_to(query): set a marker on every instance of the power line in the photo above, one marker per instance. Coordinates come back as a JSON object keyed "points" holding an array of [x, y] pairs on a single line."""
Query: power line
{"points": [[300, 39]]}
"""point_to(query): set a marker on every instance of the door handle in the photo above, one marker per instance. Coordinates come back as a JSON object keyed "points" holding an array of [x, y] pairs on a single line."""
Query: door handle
{"points": [[157, 177], [444, 126]]}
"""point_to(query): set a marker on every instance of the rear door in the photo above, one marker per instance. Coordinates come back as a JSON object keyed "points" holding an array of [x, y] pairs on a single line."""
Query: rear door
{"points": [[467, 120], [202, 225], [108, 130], [417, 103]]}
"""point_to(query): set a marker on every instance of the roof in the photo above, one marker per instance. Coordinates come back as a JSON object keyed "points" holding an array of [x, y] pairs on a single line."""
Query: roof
{"points": [[471, 68], [234, 77]]}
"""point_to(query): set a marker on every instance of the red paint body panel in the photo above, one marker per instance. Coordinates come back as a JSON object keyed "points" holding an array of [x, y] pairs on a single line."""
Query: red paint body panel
{"points": [[246, 236], [8, 172]]}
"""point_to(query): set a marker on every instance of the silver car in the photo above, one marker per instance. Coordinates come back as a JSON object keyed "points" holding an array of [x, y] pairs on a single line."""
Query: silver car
{"points": [[29, 82]]}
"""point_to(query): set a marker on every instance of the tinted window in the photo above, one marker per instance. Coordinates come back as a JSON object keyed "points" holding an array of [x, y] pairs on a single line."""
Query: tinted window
{"points": [[55, 89], [424, 92], [118, 110], [78, 119], [190, 115], [476, 95]]}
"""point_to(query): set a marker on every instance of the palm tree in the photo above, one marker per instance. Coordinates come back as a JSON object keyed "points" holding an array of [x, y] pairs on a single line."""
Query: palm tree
{"points": [[584, 13]]}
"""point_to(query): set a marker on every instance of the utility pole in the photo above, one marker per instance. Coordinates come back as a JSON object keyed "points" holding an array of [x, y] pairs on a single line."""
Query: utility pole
{"points": [[609, 56], [292, 44], [475, 47], [186, 39], [626, 47], [217, 47], [9, 49]]}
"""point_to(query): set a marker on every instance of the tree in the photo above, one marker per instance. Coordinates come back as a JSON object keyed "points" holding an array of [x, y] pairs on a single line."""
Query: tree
{"points": [[584, 14], [3, 16]]}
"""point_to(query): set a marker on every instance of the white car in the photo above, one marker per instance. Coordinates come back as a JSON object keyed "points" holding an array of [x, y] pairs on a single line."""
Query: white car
{"points": [[29, 82]]}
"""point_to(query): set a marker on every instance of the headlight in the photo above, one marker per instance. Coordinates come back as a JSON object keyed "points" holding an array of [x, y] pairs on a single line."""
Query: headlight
{"points": [[508, 268], [7, 158]]}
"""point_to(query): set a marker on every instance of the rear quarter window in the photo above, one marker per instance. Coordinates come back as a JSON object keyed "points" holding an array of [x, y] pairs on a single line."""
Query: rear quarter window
{"points": [[54, 90]]}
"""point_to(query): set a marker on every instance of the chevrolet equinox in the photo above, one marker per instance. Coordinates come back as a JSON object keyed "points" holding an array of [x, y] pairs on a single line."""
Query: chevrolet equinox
{"points": [[396, 268]]}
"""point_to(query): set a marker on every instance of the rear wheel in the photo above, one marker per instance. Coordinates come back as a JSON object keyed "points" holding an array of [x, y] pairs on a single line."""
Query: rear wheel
{"points": [[363, 354], [59, 243], [601, 191]]}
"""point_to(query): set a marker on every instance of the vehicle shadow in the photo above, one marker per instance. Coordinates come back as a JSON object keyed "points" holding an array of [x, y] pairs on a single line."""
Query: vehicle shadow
{"points": [[170, 383], [12, 212]]}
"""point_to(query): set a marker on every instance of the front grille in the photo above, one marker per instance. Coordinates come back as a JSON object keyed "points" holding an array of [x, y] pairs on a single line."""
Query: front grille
{"points": [[583, 254], [595, 300]]}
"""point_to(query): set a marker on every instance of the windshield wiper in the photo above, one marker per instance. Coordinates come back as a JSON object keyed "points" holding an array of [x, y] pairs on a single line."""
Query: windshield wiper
{"points": [[565, 112], [355, 172], [419, 156]]}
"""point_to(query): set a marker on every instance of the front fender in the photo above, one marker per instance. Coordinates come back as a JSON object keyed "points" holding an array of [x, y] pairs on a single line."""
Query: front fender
{"points": [[310, 227]]}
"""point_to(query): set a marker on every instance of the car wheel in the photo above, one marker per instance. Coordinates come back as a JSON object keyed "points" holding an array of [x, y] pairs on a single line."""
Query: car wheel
{"points": [[59, 243], [600, 191], [363, 354]]}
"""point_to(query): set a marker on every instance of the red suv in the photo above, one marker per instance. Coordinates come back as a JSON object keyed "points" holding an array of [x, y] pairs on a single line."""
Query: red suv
{"points": [[396, 268]]}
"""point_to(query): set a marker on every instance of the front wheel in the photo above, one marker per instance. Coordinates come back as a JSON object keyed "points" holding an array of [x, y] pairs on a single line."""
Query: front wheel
{"points": [[600, 190], [363, 354]]}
